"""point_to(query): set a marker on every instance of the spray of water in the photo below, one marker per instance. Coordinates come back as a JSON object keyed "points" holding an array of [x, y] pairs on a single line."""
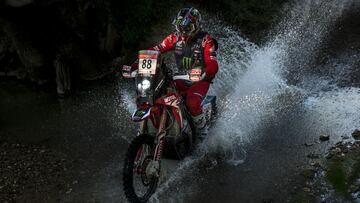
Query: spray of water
{"points": [[266, 73]]}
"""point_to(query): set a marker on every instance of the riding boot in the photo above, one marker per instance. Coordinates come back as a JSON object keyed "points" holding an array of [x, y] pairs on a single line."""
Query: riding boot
{"points": [[200, 125]]}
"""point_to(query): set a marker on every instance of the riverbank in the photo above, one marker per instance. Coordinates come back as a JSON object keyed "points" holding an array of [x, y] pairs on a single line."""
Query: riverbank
{"points": [[332, 177]]}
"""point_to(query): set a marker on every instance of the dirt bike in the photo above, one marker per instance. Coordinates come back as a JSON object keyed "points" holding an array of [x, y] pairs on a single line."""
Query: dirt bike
{"points": [[166, 128]]}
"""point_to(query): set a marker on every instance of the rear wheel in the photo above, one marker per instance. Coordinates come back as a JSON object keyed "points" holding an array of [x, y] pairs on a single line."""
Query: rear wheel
{"points": [[138, 186]]}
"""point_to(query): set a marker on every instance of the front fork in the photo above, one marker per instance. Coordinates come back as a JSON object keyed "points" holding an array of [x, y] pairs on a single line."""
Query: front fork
{"points": [[160, 136], [153, 167], [143, 127]]}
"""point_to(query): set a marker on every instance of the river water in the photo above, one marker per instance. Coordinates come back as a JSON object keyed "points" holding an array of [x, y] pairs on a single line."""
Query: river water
{"points": [[274, 99]]}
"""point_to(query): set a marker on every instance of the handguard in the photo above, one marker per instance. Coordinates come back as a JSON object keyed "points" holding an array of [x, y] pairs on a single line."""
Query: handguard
{"points": [[129, 71]]}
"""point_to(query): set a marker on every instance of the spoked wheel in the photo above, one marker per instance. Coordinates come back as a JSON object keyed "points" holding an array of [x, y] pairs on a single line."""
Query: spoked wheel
{"points": [[139, 184]]}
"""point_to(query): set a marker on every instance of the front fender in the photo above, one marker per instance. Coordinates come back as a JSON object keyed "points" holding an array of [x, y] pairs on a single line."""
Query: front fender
{"points": [[140, 114]]}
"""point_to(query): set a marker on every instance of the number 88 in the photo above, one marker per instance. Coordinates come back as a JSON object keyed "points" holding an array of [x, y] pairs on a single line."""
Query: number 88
{"points": [[146, 63]]}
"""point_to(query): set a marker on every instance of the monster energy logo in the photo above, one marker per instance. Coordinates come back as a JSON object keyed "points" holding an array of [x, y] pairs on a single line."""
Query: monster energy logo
{"points": [[187, 62]]}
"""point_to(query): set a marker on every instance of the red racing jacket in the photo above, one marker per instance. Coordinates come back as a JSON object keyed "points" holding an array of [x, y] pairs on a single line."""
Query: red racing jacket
{"points": [[199, 51]]}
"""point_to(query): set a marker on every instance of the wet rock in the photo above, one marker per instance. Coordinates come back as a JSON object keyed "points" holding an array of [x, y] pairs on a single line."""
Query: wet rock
{"points": [[339, 144], [309, 144], [337, 150], [345, 150], [313, 156], [356, 134], [315, 164], [324, 137], [69, 191], [329, 155]]}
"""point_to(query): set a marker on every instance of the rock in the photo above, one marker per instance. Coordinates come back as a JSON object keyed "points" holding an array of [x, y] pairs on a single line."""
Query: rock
{"points": [[324, 137], [356, 134], [308, 144], [69, 191], [329, 155], [337, 150], [339, 144], [353, 147], [315, 164]]}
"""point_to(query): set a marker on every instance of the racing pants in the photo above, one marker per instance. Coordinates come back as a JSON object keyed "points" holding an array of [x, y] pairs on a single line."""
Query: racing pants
{"points": [[194, 95]]}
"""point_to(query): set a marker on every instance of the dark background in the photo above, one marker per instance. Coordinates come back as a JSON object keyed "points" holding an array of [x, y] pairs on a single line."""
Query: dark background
{"points": [[90, 39]]}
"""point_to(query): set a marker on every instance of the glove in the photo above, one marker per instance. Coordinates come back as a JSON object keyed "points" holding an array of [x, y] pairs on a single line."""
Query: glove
{"points": [[203, 76], [206, 77]]}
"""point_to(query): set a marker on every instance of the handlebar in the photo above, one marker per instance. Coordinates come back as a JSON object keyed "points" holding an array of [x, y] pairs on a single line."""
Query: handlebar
{"points": [[181, 77]]}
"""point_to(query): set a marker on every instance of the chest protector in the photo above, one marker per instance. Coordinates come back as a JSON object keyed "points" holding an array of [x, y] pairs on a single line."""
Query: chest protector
{"points": [[190, 55]]}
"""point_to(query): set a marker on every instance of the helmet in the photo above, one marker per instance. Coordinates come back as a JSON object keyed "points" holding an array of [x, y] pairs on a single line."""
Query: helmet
{"points": [[187, 21]]}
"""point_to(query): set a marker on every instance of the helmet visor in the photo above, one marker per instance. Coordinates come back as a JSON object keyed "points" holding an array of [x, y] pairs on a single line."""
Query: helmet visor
{"points": [[185, 29], [188, 29]]}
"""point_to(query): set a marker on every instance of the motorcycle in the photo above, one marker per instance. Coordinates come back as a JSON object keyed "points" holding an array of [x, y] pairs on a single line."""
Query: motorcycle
{"points": [[166, 128]]}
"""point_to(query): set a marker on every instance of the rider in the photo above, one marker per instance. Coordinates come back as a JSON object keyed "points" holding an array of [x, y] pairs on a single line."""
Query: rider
{"points": [[193, 49]]}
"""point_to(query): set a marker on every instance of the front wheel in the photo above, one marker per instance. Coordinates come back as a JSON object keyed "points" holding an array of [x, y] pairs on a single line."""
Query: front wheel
{"points": [[138, 184]]}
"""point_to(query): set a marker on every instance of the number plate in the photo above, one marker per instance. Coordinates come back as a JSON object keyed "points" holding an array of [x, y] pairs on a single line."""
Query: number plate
{"points": [[148, 62]]}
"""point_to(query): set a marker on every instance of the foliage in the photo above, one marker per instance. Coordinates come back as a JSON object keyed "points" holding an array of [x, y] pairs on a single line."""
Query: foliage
{"points": [[90, 34], [252, 16]]}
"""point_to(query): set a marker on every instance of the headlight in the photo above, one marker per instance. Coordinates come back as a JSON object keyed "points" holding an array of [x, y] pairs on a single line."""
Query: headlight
{"points": [[144, 85]]}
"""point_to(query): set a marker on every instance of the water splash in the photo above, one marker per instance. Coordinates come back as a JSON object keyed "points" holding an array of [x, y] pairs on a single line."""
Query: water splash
{"points": [[302, 34], [294, 44], [127, 97], [234, 56], [247, 106], [335, 112]]}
